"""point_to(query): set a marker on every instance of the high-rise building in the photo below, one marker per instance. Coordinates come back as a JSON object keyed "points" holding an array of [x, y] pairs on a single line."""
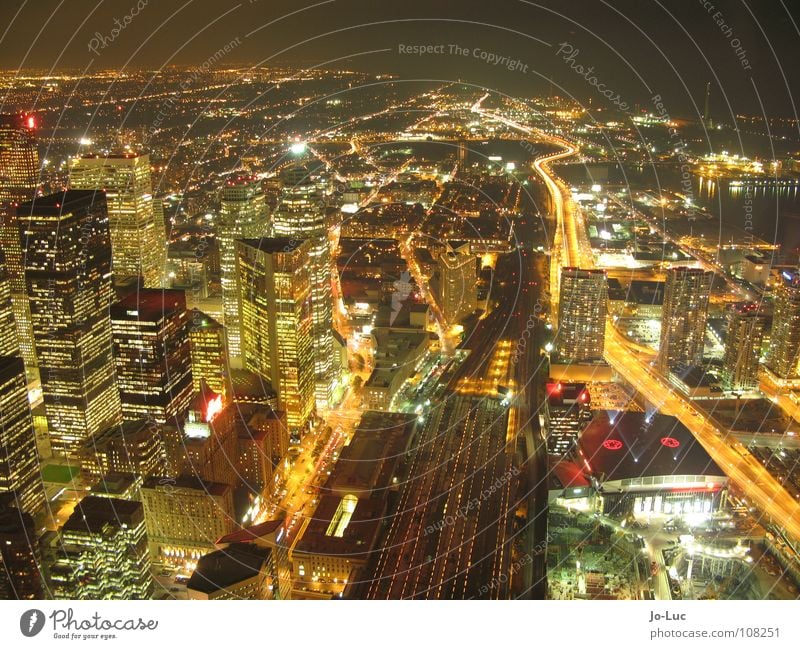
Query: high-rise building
{"points": [[101, 552], [582, 312], [20, 559], [301, 215], [136, 447], [19, 179], [151, 348], [684, 315], [743, 344], [275, 289], [19, 460], [567, 411], [458, 281], [68, 278], [784, 347], [136, 222], [185, 517], [9, 345], [243, 214], [209, 360]]}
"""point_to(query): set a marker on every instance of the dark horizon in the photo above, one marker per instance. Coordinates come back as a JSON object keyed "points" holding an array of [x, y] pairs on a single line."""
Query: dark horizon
{"points": [[635, 51]]}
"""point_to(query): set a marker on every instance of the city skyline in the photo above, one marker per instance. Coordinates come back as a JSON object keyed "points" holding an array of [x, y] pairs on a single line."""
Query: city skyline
{"points": [[406, 303]]}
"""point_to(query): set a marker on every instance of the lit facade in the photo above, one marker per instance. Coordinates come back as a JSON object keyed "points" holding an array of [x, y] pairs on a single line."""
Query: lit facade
{"points": [[138, 238], [68, 277], [301, 214], [19, 179], [275, 299], [458, 282], [9, 345], [743, 344], [243, 215], [102, 552], [151, 347], [567, 411], [19, 460], [135, 447], [582, 312], [185, 516], [784, 347], [209, 360], [684, 316]]}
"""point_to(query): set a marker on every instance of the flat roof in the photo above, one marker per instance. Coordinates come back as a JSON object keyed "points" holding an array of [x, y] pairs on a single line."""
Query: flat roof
{"points": [[149, 304], [646, 292], [623, 445], [94, 512], [62, 202], [359, 536], [273, 245], [188, 482], [227, 567]]}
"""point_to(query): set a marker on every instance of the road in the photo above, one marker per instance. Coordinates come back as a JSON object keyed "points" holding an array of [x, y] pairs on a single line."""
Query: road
{"points": [[741, 467]]}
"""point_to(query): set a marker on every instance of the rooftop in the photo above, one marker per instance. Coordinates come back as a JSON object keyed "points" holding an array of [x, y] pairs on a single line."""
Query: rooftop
{"points": [[149, 304], [275, 245], [624, 445], [187, 482], [225, 568], [62, 202]]}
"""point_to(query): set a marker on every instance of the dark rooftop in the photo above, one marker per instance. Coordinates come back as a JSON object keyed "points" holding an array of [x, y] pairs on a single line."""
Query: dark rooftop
{"points": [[62, 202], [188, 482], [227, 567], [94, 512], [149, 304], [620, 445], [275, 244]]}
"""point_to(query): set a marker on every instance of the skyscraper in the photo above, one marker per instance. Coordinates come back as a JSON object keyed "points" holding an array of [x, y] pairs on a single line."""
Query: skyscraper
{"points": [[9, 345], [243, 215], [458, 281], [684, 315], [275, 289], [19, 553], [101, 552], [582, 315], [301, 215], [743, 346], [19, 178], [138, 239], [19, 460], [784, 347], [209, 361], [151, 349], [68, 278]]}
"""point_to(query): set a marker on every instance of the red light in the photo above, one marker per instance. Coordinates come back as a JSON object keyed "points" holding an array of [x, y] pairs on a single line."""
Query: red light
{"points": [[612, 444], [670, 442], [31, 121], [213, 408]]}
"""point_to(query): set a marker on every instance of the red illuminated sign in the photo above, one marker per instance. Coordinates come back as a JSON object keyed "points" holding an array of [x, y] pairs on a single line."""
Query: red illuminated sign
{"points": [[213, 408], [612, 444], [30, 121], [670, 442]]}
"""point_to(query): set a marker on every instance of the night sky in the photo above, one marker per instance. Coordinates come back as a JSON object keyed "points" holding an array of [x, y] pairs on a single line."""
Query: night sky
{"points": [[638, 48]]}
